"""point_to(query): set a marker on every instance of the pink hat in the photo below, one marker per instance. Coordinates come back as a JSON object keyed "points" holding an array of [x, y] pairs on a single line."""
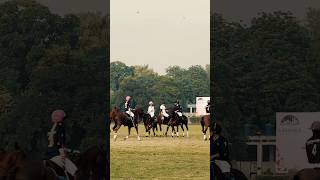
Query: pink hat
{"points": [[57, 116]]}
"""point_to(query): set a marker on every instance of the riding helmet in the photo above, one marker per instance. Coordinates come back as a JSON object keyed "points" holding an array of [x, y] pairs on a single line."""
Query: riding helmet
{"points": [[58, 116], [128, 98]]}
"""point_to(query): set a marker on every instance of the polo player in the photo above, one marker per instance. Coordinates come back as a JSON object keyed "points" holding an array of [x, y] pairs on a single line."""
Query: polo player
{"points": [[163, 111], [56, 146], [129, 105]]}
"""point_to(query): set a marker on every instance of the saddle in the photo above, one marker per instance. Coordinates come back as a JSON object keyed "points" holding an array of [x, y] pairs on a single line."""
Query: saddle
{"points": [[59, 170]]}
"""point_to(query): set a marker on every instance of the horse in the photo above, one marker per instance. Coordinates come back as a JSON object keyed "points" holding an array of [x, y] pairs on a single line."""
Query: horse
{"points": [[217, 174], [205, 124], [171, 121], [122, 118], [149, 123], [92, 164], [10, 161], [307, 174]]}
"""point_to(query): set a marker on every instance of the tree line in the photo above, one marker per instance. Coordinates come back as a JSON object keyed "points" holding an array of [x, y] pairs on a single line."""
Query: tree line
{"points": [[144, 85], [49, 62], [270, 65]]}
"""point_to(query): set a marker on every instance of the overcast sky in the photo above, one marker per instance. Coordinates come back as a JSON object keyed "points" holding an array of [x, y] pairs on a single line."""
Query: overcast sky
{"points": [[246, 9], [160, 33], [75, 6]]}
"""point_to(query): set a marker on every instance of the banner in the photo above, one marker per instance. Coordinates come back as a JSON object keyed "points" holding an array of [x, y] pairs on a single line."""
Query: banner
{"points": [[201, 103], [293, 131]]}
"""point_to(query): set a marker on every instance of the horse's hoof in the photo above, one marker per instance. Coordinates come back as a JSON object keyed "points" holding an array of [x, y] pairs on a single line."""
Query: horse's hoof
{"points": [[139, 139]]}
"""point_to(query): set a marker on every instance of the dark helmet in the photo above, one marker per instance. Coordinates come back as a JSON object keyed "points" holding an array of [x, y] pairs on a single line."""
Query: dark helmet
{"points": [[208, 101], [217, 128], [177, 102]]}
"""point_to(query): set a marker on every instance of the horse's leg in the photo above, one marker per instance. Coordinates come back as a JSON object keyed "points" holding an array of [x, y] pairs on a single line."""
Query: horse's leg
{"points": [[157, 128], [177, 130], [202, 126], [173, 131], [186, 124], [182, 129], [146, 127], [153, 129], [116, 132], [136, 127], [166, 133], [115, 125], [160, 126], [204, 133], [129, 131]]}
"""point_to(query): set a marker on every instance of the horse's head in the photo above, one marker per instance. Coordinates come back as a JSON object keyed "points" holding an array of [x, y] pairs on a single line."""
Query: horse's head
{"points": [[113, 112], [139, 113]]}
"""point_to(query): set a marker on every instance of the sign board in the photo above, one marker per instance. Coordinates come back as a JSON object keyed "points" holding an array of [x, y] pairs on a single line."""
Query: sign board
{"points": [[201, 103], [293, 130]]}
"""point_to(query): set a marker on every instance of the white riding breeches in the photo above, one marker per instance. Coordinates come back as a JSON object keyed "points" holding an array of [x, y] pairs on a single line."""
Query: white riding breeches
{"points": [[130, 113], [223, 165], [151, 114], [179, 113], [66, 164]]}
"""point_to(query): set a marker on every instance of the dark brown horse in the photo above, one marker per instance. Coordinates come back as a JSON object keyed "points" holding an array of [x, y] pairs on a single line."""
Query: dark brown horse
{"points": [[205, 124], [92, 165], [171, 121], [10, 161], [307, 174], [121, 118], [149, 124]]}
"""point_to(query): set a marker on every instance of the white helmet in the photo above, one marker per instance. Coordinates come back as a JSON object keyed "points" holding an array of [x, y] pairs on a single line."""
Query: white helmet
{"points": [[150, 103], [162, 107]]}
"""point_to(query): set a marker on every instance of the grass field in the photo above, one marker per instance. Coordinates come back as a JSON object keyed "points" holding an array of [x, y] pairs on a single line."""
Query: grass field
{"points": [[160, 157]]}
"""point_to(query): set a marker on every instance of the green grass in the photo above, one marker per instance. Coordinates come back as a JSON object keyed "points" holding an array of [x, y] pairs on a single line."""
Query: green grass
{"points": [[160, 157]]}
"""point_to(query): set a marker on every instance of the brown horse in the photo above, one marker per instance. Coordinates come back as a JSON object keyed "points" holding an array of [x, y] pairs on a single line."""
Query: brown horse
{"points": [[307, 174], [205, 124], [92, 164], [121, 118], [10, 161]]}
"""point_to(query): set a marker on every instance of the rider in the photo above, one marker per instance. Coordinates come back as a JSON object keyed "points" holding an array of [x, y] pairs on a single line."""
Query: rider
{"points": [[163, 111], [57, 137], [178, 108], [208, 107], [313, 144], [129, 105], [151, 109], [220, 150]]}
